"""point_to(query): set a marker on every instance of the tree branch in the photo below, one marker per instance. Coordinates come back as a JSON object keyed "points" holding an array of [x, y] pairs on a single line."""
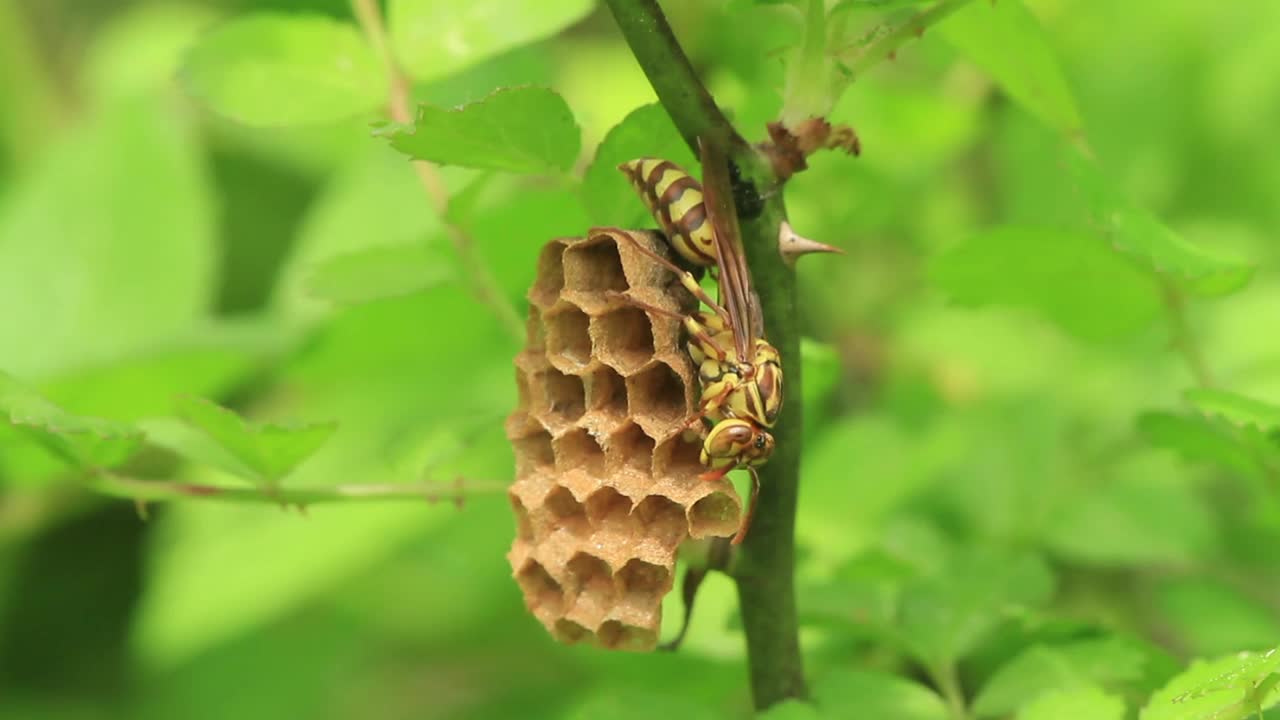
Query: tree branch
{"points": [[682, 94], [764, 568], [484, 285]]}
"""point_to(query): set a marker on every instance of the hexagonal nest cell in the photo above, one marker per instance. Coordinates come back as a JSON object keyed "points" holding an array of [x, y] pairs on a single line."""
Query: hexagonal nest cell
{"points": [[606, 488]]}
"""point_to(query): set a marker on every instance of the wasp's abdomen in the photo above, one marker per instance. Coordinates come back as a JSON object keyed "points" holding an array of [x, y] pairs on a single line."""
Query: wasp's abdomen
{"points": [[674, 199]]}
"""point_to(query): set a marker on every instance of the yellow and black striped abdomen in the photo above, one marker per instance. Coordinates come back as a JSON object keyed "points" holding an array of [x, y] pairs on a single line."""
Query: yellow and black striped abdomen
{"points": [[675, 200]]}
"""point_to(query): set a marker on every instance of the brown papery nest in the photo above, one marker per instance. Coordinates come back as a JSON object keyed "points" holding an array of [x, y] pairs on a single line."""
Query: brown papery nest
{"points": [[606, 483]]}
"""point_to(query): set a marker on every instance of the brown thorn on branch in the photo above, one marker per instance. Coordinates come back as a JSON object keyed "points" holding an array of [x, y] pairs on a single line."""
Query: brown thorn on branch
{"points": [[791, 245], [788, 148]]}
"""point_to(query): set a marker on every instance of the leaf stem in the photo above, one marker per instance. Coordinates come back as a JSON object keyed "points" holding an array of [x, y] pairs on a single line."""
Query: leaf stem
{"points": [[483, 283], [764, 570], [145, 491], [949, 683], [885, 46], [1184, 339]]}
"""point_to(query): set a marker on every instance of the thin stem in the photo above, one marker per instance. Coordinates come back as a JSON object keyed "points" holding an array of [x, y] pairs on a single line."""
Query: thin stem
{"points": [[483, 283], [949, 683], [764, 569], [808, 85], [887, 45], [145, 491], [1184, 339]]}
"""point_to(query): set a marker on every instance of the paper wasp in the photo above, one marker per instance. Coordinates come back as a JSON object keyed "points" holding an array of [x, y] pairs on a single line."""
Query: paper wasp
{"points": [[740, 372]]}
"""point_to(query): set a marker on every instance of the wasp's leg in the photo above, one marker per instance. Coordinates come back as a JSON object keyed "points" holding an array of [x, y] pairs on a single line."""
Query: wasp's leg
{"points": [[751, 507], [699, 332], [687, 279]]}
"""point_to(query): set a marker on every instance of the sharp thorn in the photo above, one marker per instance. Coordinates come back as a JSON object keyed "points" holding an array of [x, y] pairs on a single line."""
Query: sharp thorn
{"points": [[793, 245]]}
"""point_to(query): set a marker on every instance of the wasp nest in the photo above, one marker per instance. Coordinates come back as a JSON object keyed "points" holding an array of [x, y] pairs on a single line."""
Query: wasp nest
{"points": [[606, 481]]}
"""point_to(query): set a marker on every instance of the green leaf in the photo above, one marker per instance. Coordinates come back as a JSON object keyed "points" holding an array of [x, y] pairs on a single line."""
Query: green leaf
{"points": [[1070, 278], [377, 273], [264, 453], [945, 617], [1005, 39], [646, 132], [1236, 409], [142, 48], [1232, 687], [1090, 703], [1198, 440], [112, 237], [269, 69], [791, 710], [523, 130], [1213, 618], [875, 696], [83, 442], [1149, 516], [434, 38], [1042, 669], [1136, 232]]}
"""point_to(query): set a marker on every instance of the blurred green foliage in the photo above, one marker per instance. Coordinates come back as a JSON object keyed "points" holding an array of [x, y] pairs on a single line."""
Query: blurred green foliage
{"points": [[1018, 500]]}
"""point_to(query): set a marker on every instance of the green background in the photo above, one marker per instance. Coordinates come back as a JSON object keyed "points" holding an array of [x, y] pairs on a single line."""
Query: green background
{"points": [[1011, 504]]}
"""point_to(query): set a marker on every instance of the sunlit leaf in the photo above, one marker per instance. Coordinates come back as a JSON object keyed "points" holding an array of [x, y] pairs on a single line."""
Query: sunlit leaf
{"points": [[83, 442], [1198, 440], [524, 130], [435, 38], [1137, 232], [1089, 703], [1005, 39], [1213, 617], [944, 617], [646, 132], [377, 273], [142, 49], [876, 696], [1233, 687], [1070, 278], [1106, 662], [1148, 516], [265, 453], [107, 246], [275, 69], [1236, 409]]}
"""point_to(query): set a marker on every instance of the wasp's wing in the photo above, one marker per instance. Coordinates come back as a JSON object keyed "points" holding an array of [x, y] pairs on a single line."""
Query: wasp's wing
{"points": [[735, 279]]}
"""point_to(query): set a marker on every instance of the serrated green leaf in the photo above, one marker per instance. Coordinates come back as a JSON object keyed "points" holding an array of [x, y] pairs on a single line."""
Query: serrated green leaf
{"points": [[875, 696], [1070, 278], [264, 453], [1140, 234], [944, 617], [1236, 409], [83, 442], [378, 273], [1212, 617], [268, 69], [523, 130], [434, 39], [646, 132], [1197, 440], [1233, 687], [1091, 703], [1042, 669], [1149, 516], [1005, 39]]}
